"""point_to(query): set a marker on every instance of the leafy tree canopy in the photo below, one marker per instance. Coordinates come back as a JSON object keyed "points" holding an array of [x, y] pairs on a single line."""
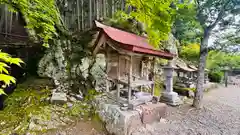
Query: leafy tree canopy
{"points": [[41, 16], [190, 52], [157, 17]]}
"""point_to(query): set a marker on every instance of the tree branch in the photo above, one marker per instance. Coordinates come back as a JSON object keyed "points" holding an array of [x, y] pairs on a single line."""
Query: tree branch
{"points": [[219, 17]]}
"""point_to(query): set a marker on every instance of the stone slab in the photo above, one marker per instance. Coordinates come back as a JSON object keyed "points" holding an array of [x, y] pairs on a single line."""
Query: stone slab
{"points": [[153, 112], [58, 98], [120, 122], [171, 98]]}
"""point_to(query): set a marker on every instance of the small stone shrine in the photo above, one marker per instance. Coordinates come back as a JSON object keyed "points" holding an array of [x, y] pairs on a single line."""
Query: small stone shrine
{"points": [[129, 100]]}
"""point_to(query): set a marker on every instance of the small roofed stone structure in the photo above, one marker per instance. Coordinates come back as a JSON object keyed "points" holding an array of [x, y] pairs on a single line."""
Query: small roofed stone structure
{"points": [[130, 62]]}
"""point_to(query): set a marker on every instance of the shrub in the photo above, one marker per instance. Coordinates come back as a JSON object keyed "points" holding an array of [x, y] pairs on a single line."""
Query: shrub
{"points": [[215, 76]]}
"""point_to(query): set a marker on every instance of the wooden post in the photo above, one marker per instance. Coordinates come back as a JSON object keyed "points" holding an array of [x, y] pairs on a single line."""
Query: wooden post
{"points": [[130, 80], [142, 68], [118, 77], [226, 77], [107, 68], [153, 67]]}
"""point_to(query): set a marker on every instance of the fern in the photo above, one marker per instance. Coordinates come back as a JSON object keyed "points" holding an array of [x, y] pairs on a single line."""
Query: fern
{"points": [[5, 77]]}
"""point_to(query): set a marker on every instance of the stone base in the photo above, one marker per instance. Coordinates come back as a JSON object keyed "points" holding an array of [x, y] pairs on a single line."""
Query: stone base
{"points": [[58, 98], [171, 98], [120, 122]]}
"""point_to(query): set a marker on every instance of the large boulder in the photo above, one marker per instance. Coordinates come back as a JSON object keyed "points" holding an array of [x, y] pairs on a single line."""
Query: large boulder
{"points": [[99, 72]]}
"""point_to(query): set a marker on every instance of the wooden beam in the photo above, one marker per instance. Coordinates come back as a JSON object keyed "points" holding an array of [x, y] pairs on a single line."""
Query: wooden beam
{"points": [[107, 67], [118, 76], [99, 43], [153, 74], [117, 47], [130, 80], [142, 67]]}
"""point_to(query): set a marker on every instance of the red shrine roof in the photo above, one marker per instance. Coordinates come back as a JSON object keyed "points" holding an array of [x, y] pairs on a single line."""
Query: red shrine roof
{"points": [[132, 42]]}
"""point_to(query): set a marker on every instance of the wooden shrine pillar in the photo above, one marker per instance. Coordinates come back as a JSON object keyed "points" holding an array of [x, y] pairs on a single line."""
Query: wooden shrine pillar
{"points": [[118, 76], [153, 75], [130, 79], [107, 67]]}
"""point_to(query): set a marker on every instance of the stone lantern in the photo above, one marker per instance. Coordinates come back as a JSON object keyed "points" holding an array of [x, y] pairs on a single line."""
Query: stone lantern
{"points": [[168, 95]]}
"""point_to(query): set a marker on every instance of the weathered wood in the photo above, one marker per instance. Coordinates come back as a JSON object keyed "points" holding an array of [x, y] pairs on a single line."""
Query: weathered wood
{"points": [[99, 43], [118, 76], [142, 68], [107, 67], [136, 83], [153, 75], [130, 80]]}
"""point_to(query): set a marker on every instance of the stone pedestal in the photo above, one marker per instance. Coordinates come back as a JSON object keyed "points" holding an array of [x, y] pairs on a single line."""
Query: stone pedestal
{"points": [[119, 122], [168, 95]]}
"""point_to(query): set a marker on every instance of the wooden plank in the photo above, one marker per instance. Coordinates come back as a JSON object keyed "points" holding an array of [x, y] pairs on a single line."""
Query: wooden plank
{"points": [[99, 43], [116, 47], [142, 66], [130, 79], [107, 68], [118, 76], [153, 66]]}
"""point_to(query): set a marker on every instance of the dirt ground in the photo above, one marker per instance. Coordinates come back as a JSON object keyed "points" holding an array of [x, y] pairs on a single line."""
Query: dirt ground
{"points": [[80, 128], [220, 116]]}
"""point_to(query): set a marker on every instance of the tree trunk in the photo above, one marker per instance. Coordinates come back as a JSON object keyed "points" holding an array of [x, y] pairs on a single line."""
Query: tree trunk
{"points": [[197, 102]]}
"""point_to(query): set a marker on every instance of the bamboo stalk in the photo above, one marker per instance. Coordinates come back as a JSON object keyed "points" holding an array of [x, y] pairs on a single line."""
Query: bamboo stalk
{"points": [[82, 16], [6, 19], [90, 13], [78, 14], [11, 16], [112, 8], [122, 5], [104, 9], [97, 7]]}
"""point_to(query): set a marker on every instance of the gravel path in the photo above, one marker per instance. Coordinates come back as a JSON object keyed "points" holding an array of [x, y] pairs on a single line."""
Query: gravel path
{"points": [[220, 116]]}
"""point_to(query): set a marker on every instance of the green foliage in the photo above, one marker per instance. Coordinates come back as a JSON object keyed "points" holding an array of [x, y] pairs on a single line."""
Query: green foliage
{"points": [[217, 60], [215, 76], [156, 15], [41, 17], [124, 21], [185, 27], [190, 52], [6, 59]]}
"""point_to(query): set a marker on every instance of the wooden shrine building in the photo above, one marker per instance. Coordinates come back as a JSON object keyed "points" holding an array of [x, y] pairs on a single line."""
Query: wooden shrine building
{"points": [[130, 61]]}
